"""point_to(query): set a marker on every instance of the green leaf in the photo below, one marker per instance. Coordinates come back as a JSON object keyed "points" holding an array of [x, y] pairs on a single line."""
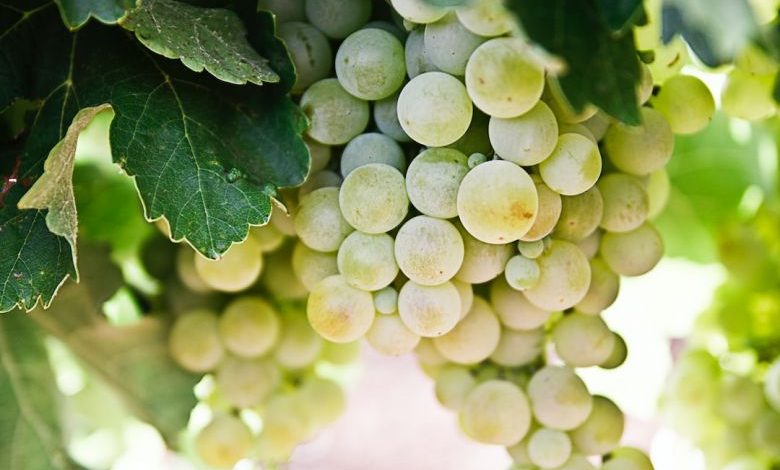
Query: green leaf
{"points": [[620, 14], [54, 189], [213, 39], [602, 66], [30, 433], [716, 30], [133, 360], [76, 13]]}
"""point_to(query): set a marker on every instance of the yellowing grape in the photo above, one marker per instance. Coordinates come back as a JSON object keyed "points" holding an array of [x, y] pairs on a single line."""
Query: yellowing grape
{"points": [[194, 341], [429, 310], [564, 277], [238, 269], [339, 312], [390, 336], [429, 251], [496, 412], [573, 167], [249, 326], [474, 338], [224, 441]]}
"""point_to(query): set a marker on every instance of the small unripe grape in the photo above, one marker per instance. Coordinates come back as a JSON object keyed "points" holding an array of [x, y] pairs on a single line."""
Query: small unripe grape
{"points": [[386, 300], [433, 179], [367, 261], [549, 448], [335, 115], [521, 273], [583, 340], [440, 92]]}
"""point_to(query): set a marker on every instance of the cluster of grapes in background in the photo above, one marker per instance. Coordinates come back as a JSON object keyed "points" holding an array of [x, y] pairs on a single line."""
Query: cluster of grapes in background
{"points": [[457, 207]]}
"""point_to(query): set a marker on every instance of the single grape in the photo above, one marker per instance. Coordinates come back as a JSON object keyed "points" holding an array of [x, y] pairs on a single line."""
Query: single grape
{"points": [[312, 266], [323, 400], [268, 238], [466, 293], [514, 309], [526, 139], [309, 51], [386, 300], [433, 179], [564, 277], [339, 312], [602, 431], [476, 159], [549, 448], [559, 398], [284, 10], [429, 251], [428, 355], [372, 148], [549, 212], [554, 97], [319, 222], [417, 59], [485, 17], [338, 18], [626, 205], [521, 273], [573, 167], [632, 253], [603, 290], [506, 212], [747, 96], [285, 425], [496, 412], [188, 275], [453, 385], [418, 11], [373, 198], [429, 310], [583, 340], [482, 262], [474, 338], [224, 441], [238, 269], [501, 79], [367, 261], [449, 44], [390, 336], [434, 109], [532, 249], [598, 125], [580, 215], [320, 157], [299, 345], [580, 129], [386, 120], [640, 150], [249, 326], [247, 382], [644, 89], [281, 217], [618, 355], [335, 116], [658, 188], [627, 458], [686, 103], [370, 64], [279, 279], [194, 341], [518, 348]]}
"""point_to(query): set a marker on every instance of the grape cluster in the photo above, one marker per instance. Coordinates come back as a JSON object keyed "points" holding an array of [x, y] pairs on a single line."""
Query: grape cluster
{"points": [[457, 206]]}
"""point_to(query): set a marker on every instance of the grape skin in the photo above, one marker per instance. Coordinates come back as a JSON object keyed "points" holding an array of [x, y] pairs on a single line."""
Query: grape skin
{"points": [[367, 261], [580, 215], [453, 385], [449, 44], [549, 212], [224, 441], [247, 382], [603, 290], [474, 338], [640, 150], [194, 341], [386, 300], [312, 266], [496, 412], [485, 17], [626, 204], [526, 139], [370, 64], [482, 261], [583, 340], [627, 458], [602, 431], [564, 277], [319, 221], [686, 103], [549, 448], [310, 53], [559, 398], [299, 345], [389, 335], [372, 147], [514, 309], [386, 120], [339, 312], [429, 251], [632, 253], [429, 311], [418, 11], [249, 326], [573, 167], [417, 59], [521, 273], [373, 198], [335, 116], [338, 18], [518, 348], [433, 179], [238, 269]]}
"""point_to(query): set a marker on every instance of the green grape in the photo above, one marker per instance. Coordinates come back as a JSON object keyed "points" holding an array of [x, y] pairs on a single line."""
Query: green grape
{"points": [[428, 354], [338, 18], [686, 103], [474, 338], [367, 261], [521, 273], [417, 59], [514, 309], [627, 458], [284, 427], [765, 434], [370, 64], [309, 51], [632, 253], [386, 119], [284, 10], [372, 148], [341, 353], [323, 400], [450, 44], [564, 128], [373, 198], [618, 355], [268, 238], [247, 382], [626, 204], [559, 398], [224, 441], [740, 400], [506, 212], [580, 215], [496, 412], [603, 290], [527, 139], [320, 157], [429, 251], [339, 312], [549, 448], [299, 345], [658, 188], [249, 326], [554, 97], [194, 341], [502, 80], [485, 17], [598, 125], [669, 59], [640, 150], [386, 300], [692, 381], [322, 179], [418, 11], [185, 268], [583, 340], [440, 92], [279, 278], [466, 293], [312, 266], [319, 222], [564, 277], [548, 213], [390, 336], [482, 262], [453, 385], [281, 217], [644, 89], [577, 462], [590, 245], [519, 451], [518, 348], [602, 431], [433, 180], [747, 96], [429, 310], [755, 61], [476, 159], [573, 167], [772, 385], [335, 116], [238, 269], [532, 249]]}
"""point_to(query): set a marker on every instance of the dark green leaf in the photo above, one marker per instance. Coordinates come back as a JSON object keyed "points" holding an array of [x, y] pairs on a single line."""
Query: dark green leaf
{"points": [[133, 360], [76, 13], [620, 14], [716, 30], [30, 433], [213, 39], [602, 66], [261, 33]]}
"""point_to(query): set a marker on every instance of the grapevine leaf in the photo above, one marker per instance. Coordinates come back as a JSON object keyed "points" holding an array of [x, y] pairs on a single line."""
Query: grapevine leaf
{"points": [[54, 189], [213, 39], [620, 14], [76, 13], [716, 30], [262, 34], [133, 359], [602, 65], [30, 433]]}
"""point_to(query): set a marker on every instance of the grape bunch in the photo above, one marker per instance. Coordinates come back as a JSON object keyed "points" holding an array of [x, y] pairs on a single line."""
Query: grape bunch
{"points": [[457, 207]]}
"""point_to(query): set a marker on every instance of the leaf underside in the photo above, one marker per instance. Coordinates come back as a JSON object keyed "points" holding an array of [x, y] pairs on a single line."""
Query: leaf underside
{"points": [[76, 13]]}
